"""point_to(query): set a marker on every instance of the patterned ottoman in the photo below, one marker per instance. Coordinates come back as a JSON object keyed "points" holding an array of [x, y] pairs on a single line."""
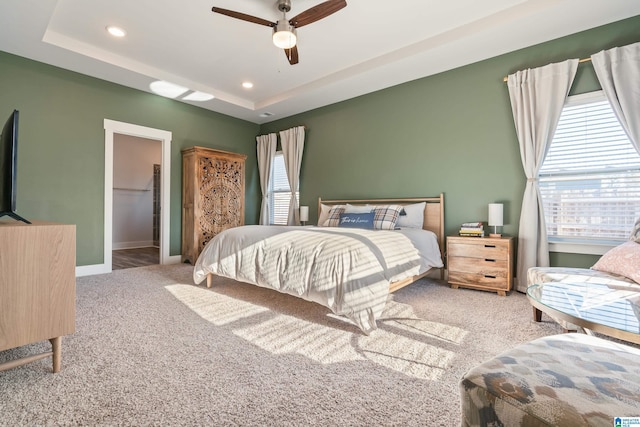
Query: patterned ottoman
{"points": [[561, 380]]}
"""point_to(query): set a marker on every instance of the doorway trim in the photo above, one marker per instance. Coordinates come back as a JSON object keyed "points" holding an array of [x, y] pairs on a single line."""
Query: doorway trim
{"points": [[112, 127]]}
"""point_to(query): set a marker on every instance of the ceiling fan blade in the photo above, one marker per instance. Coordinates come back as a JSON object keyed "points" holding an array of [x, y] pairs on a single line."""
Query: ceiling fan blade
{"points": [[316, 13], [292, 55], [243, 16]]}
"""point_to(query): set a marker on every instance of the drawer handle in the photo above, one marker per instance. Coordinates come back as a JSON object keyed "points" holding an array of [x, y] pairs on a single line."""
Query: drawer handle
{"points": [[489, 246], [489, 276], [490, 260]]}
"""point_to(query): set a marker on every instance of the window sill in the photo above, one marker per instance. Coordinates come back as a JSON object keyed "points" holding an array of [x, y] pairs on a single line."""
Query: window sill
{"points": [[589, 248]]}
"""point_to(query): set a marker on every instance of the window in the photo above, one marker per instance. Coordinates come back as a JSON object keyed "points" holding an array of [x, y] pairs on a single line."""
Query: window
{"points": [[590, 179], [279, 192]]}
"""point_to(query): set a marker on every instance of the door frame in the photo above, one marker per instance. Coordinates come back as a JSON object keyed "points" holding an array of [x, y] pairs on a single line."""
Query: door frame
{"points": [[112, 127]]}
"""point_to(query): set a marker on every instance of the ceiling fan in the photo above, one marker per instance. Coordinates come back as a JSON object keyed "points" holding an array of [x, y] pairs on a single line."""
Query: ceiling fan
{"points": [[284, 31]]}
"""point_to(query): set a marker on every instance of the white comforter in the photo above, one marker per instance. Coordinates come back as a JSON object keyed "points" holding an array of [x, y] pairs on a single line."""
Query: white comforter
{"points": [[347, 270]]}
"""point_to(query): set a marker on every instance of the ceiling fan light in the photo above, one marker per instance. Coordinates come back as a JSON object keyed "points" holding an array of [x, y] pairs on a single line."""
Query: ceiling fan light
{"points": [[284, 35]]}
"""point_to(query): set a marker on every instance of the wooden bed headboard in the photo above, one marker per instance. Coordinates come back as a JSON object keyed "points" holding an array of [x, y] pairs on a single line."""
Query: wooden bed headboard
{"points": [[433, 211]]}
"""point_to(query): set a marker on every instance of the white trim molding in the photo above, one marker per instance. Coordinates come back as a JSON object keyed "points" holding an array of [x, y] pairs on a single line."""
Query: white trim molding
{"points": [[91, 270], [132, 245], [581, 248], [112, 127]]}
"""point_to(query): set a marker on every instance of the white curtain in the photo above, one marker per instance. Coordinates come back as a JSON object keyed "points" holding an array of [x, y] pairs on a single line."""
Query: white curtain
{"points": [[618, 71], [266, 148], [292, 141], [537, 98]]}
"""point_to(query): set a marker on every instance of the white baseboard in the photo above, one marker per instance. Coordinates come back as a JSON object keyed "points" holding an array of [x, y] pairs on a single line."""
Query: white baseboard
{"points": [[174, 259], [132, 245], [90, 270]]}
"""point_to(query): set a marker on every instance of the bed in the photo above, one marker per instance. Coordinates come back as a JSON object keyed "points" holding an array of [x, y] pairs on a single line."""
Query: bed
{"points": [[351, 270]]}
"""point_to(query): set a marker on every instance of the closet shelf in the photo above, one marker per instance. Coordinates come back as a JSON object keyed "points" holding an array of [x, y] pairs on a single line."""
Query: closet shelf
{"points": [[131, 189]]}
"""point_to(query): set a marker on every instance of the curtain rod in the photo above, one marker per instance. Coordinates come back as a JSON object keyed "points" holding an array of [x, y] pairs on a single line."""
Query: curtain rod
{"points": [[304, 126], [504, 79]]}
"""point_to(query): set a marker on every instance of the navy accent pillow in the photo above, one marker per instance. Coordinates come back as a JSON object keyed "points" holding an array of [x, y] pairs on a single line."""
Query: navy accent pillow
{"points": [[357, 220]]}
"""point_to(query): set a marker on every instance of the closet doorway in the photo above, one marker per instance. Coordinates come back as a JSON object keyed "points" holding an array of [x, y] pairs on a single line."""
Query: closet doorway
{"points": [[134, 134], [136, 201]]}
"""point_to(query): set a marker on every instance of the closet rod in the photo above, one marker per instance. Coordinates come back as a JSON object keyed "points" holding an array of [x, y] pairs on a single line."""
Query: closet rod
{"points": [[504, 79]]}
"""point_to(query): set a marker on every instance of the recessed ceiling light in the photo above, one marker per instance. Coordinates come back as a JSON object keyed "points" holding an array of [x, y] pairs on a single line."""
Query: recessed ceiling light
{"points": [[116, 31], [198, 96], [247, 85], [167, 89], [266, 114]]}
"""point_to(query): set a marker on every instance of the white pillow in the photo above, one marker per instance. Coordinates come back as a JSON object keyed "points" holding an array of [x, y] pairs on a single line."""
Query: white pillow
{"points": [[358, 208], [414, 217]]}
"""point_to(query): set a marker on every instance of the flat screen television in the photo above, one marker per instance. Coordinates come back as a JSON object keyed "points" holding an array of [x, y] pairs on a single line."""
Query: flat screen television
{"points": [[8, 163]]}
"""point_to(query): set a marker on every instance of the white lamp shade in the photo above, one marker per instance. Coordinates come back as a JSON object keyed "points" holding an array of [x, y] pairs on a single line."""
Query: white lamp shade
{"points": [[495, 214], [304, 213]]}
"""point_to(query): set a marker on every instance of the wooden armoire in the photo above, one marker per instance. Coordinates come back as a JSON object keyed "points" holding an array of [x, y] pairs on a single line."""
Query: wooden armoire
{"points": [[212, 196]]}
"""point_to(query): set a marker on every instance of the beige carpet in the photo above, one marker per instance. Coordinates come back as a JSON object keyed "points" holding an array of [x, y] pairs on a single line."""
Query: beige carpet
{"points": [[151, 348]]}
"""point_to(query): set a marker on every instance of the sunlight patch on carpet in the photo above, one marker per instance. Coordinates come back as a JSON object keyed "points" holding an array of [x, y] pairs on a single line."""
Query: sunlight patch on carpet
{"points": [[216, 308], [283, 334], [402, 319], [402, 342], [407, 353]]}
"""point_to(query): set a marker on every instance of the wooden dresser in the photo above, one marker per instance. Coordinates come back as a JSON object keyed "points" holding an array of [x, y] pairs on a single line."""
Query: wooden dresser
{"points": [[212, 196], [480, 263], [37, 287]]}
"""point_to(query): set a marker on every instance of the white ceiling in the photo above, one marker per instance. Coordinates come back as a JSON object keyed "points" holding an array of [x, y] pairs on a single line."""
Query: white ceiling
{"points": [[367, 46]]}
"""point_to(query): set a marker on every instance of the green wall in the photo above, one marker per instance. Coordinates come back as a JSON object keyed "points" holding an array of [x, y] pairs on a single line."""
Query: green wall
{"points": [[452, 133], [61, 145]]}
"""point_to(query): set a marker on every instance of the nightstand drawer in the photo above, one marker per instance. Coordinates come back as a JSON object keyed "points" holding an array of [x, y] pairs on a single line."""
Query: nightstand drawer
{"points": [[479, 281], [479, 266], [480, 249]]}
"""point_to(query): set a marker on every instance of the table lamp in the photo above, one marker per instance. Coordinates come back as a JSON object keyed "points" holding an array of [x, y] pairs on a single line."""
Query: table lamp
{"points": [[495, 218], [304, 214]]}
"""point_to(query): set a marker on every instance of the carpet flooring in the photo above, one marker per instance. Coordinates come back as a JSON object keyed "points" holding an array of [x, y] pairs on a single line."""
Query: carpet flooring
{"points": [[152, 348]]}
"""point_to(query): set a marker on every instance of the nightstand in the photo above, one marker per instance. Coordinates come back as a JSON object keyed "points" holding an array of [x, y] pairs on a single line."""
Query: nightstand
{"points": [[480, 263]]}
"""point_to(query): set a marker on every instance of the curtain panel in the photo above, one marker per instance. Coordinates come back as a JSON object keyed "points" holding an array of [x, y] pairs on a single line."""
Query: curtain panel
{"points": [[266, 151], [537, 98], [618, 72], [292, 141]]}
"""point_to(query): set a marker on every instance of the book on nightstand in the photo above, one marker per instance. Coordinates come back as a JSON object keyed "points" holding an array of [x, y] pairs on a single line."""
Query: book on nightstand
{"points": [[471, 229]]}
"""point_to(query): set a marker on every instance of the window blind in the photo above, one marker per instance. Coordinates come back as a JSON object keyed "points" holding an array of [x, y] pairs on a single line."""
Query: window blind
{"points": [[590, 179], [280, 192]]}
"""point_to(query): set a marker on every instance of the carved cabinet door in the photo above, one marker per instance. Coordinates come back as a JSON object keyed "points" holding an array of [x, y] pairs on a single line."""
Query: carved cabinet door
{"points": [[212, 196], [221, 196]]}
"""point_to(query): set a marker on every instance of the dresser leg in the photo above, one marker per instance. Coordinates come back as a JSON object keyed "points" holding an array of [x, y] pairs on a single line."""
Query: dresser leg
{"points": [[56, 347]]}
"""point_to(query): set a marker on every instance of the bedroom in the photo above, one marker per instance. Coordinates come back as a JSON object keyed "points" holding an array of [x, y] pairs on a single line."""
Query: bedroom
{"points": [[462, 116], [431, 135]]}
